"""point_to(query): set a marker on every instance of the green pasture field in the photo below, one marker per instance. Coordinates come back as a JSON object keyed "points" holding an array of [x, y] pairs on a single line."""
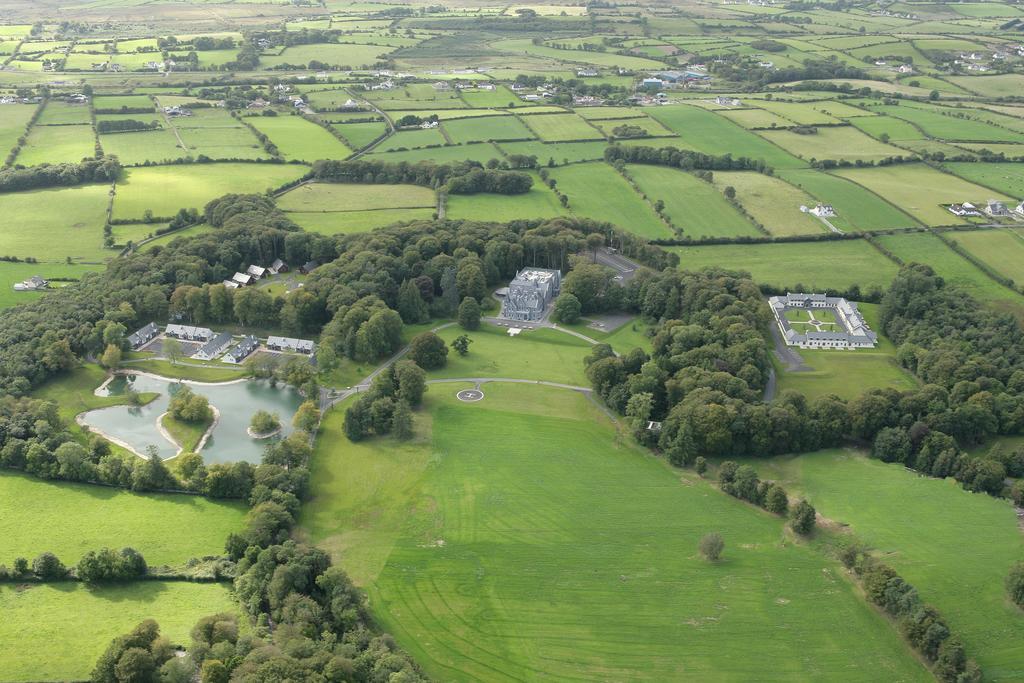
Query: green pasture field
{"points": [[772, 202], [165, 189], [848, 374], [601, 113], [344, 222], [710, 133], [222, 142], [937, 124], [476, 152], [839, 109], [11, 273], [842, 143], [442, 114], [135, 44], [561, 127], [542, 354], [597, 191], [12, 124], [1002, 250], [52, 224], [856, 207], [57, 631], [83, 517], [985, 9], [955, 269], [561, 152], [502, 545], [526, 46], [960, 563], [138, 147], [902, 186], [755, 118], [487, 129], [693, 205], [1004, 178], [998, 85], [164, 240], [355, 197], [297, 138], [57, 113], [359, 135], [651, 127], [485, 99], [414, 138], [798, 112], [904, 51], [134, 232], [898, 130], [116, 102], [813, 265], [1010, 149], [348, 54], [539, 202], [57, 144]]}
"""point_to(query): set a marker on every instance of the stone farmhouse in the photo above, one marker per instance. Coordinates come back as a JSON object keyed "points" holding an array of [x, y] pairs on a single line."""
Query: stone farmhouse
{"points": [[855, 333], [530, 293]]}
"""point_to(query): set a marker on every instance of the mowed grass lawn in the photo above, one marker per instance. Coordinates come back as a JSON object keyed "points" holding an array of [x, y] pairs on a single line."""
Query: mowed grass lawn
{"points": [[542, 354], [773, 203], [299, 139], [53, 632], [958, 563], [833, 142], [561, 127], [355, 197], [12, 125], [518, 538], [11, 273], [1000, 249], [52, 224], [597, 191], [919, 190], [693, 205], [955, 269], [57, 144], [140, 146], [344, 222], [487, 128], [813, 265], [856, 207], [71, 519], [165, 189], [539, 202], [710, 133]]}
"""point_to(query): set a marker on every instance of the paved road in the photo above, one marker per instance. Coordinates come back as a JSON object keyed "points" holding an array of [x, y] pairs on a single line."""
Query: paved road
{"points": [[534, 324], [626, 268]]}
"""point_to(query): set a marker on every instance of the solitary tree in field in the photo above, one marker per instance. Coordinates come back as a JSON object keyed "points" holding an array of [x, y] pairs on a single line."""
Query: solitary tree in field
{"points": [[461, 344], [711, 546], [803, 518], [172, 350]]}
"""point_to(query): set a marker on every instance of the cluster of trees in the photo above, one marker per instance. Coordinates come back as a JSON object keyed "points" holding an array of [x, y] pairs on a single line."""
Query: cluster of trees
{"points": [[124, 125], [629, 131], [103, 170], [386, 408], [682, 158], [188, 406], [706, 376], [741, 481], [141, 656], [264, 422], [920, 623], [104, 566], [748, 70], [460, 177]]}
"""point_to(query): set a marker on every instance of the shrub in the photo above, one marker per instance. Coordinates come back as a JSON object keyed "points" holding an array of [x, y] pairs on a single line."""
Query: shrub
{"points": [[48, 568], [803, 518], [711, 546]]}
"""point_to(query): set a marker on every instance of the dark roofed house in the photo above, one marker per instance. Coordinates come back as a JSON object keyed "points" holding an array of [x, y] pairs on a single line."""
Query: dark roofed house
{"points": [[278, 266], [290, 345], [214, 347], [188, 333], [242, 350], [308, 267], [142, 336]]}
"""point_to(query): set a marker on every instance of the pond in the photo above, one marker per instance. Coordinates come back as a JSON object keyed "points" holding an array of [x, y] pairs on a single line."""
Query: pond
{"points": [[136, 426]]}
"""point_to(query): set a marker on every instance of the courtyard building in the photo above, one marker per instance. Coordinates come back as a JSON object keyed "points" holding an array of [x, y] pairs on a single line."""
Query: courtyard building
{"points": [[832, 322]]}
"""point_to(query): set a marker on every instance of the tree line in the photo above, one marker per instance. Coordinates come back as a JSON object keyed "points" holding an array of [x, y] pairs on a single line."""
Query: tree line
{"points": [[461, 177], [685, 159], [104, 170]]}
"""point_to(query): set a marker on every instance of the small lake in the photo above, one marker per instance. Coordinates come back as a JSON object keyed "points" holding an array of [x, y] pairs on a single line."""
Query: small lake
{"points": [[236, 401]]}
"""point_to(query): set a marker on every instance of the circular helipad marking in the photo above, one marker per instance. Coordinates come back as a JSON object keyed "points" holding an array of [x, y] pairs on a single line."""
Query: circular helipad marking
{"points": [[470, 395]]}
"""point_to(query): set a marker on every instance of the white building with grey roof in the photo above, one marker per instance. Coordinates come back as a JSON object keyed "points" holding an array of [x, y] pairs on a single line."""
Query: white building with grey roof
{"points": [[853, 331]]}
